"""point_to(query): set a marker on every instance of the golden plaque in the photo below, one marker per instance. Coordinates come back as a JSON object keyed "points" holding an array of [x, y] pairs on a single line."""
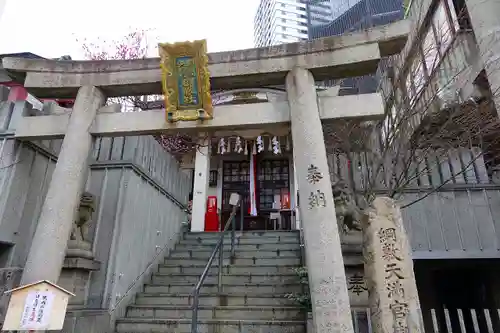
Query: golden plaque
{"points": [[186, 81]]}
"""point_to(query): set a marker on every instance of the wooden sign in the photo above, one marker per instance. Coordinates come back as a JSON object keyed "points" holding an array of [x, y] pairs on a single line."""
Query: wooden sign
{"points": [[37, 306], [186, 81]]}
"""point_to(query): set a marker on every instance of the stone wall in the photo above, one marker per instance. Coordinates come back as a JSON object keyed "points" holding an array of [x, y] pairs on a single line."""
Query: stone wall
{"points": [[140, 196]]}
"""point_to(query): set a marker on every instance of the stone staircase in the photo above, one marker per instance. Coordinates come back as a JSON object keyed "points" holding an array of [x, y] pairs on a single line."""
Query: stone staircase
{"points": [[253, 288]]}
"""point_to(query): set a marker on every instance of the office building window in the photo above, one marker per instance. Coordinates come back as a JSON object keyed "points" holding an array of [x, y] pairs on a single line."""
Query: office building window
{"points": [[430, 51], [460, 15], [442, 28], [435, 42]]}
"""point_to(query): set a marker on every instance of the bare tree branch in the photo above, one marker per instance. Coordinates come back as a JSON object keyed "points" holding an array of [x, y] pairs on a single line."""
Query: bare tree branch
{"points": [[137, 44]]}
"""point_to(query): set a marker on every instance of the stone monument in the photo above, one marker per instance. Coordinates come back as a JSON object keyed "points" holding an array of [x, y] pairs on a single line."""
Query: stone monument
{"points": [[393, 296]]}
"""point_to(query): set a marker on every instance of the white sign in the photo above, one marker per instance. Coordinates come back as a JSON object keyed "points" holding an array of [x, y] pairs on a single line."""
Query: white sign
{"points": [[234, 199], [37, 309]]}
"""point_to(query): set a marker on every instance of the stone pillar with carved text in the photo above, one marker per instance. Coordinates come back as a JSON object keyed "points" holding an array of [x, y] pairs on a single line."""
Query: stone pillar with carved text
{"points": [[48, 248], [327, 278], [393, 295]]}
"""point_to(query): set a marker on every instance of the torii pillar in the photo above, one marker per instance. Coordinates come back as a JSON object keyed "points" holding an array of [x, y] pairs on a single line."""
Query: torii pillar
{"points": [[327, 280], [48, 249]]}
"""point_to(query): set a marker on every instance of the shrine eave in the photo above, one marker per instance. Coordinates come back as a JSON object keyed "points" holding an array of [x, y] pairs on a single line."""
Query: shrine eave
{"points": [[332, 57]]}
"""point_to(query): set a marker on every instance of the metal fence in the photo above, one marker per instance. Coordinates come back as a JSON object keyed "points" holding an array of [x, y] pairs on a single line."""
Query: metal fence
{"points": [[442, 320], [463, 320]]}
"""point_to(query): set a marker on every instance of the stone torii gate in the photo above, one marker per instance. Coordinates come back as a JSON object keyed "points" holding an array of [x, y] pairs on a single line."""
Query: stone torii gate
{"points": [[296, 65]]}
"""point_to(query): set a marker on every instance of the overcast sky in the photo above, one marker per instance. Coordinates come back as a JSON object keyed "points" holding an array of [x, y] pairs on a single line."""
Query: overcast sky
{"points": [[49, 28]]}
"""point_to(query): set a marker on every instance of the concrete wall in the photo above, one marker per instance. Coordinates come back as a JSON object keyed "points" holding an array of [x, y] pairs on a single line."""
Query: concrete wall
{"points": [[140, 193], [26, 174], [454, 224]]}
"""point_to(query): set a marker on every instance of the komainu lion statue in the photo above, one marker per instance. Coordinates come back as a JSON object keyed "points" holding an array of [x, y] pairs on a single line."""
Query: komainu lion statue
{"points": [[83, 217], [347, 210]]}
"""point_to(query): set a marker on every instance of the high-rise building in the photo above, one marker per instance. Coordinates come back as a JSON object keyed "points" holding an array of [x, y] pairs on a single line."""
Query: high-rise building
{"points": [[286, 21], [319, 12], [349, 16], [280, 21], [352, 15]]}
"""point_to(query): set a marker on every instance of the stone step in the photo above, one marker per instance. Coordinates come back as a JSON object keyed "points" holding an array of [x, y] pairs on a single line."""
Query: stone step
{"points": [[143, 325], [197, 254], [214, 299], [218, 312], [242, 247], [242, 241], [274, 261], [245, 234], [229, 269], [255, 288], [258, 245], [166, 279]]}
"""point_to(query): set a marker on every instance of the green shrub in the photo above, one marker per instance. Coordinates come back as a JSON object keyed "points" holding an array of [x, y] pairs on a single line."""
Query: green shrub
{"points": [[303, 299]]}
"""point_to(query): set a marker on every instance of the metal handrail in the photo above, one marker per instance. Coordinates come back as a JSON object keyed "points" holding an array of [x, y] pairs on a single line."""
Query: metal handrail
{"points": [[302, 247], [220, 248]]}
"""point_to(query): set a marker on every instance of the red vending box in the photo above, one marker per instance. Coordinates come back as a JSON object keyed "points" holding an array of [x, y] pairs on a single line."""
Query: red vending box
{"points": [[285, 199], [211, 218]]}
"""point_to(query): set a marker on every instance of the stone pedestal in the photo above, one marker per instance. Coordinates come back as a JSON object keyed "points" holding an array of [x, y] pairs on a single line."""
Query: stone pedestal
{"points": [[75, 274], [48, 248], [393, 295], [327, 279], [79, 249], [75, 277]]}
